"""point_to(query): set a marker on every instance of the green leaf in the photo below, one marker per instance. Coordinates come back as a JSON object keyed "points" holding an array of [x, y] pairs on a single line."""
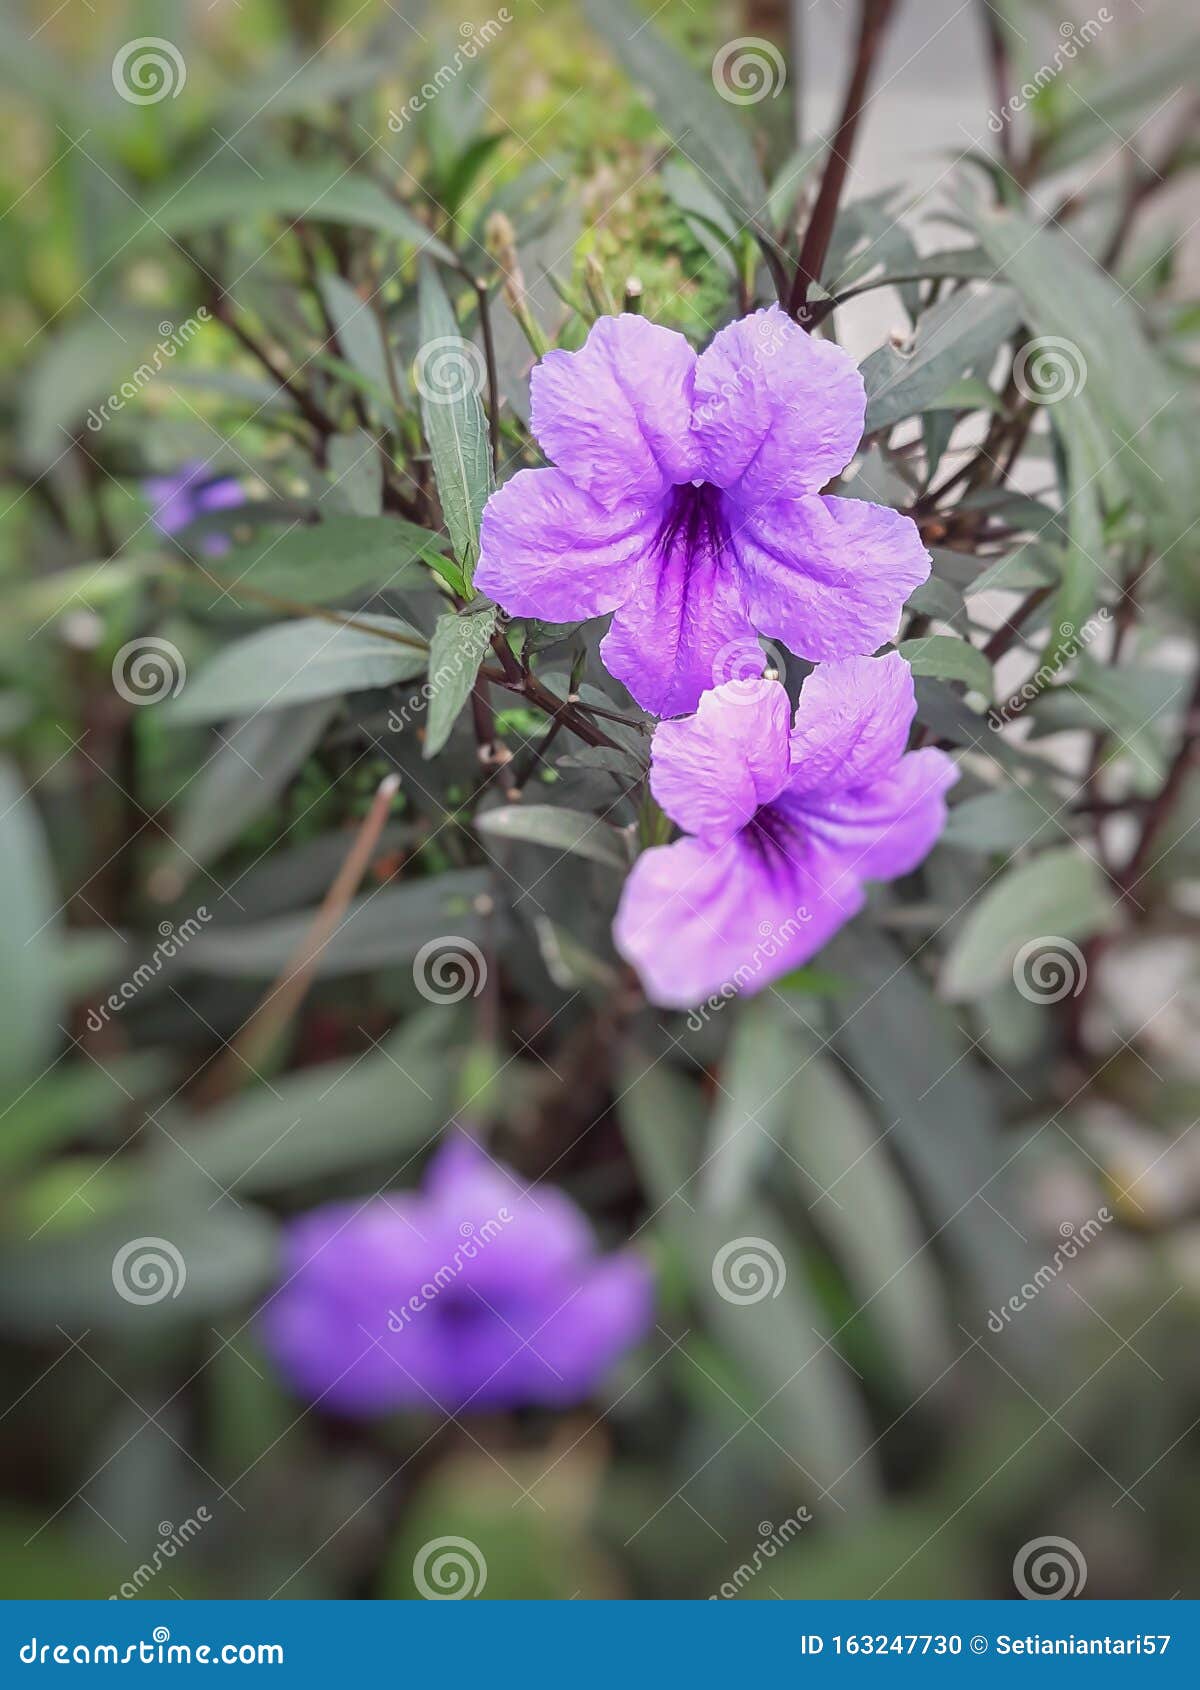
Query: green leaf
{"points": [[383, 928], [1000, 821], [573, 831], [298, 661], [359, 335], [858, 1200], [940, 1121], [244, 778], [356, 474], [754, 1103], [949, 659], [164, 1261], [1061, 894], [952, 337], [323, 1121], [450, 376], [457, 648], [81, 367], [29, 1007], [1111, 397], [317, 563], [211, 197], [687, 105]]}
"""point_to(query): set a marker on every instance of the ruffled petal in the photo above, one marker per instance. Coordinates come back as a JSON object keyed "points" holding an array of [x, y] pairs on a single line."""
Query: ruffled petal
{"points": [[698, 920], [710, 772], [852, 723], [828, 576], [777, 412], [547, 549], [616, 415], [672, 637], [887, 827]]}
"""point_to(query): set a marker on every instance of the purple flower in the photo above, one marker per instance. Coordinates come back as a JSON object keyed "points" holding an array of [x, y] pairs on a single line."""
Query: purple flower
{"points": [[470, 1294], [180, 498], [686, 500], [785, 822]]}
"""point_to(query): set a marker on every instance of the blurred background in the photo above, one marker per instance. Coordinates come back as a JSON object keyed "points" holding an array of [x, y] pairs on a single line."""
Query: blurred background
{"points": [[967, 1132]]}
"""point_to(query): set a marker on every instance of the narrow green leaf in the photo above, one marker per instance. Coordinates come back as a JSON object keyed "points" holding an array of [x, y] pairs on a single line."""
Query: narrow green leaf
{"points": [[953, 337], [456, 650], [949, 659], [450, 376], [1060, 895], [29, 1010], [298, 661], [318, 563], [561, 830]]}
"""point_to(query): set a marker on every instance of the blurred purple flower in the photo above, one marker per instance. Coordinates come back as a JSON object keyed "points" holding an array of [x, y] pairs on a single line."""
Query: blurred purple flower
{"points": [[469, 1294], [686, 499], [786, 821], [180, 498]]}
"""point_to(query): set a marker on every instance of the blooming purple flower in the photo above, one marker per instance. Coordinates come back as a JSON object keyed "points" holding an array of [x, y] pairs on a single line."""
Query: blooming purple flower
{"points": [[180, 498], [473, 1293], [686, 499], [785, 821]]}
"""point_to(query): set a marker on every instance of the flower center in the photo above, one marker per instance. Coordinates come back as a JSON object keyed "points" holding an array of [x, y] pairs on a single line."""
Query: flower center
{"points": [[773, 833], [694, 520]]}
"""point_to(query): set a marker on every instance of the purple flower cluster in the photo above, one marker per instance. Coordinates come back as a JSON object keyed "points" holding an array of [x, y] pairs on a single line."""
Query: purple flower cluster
{"points": [[474, 1293], [685, 499], [784, 818], [176, 500]]}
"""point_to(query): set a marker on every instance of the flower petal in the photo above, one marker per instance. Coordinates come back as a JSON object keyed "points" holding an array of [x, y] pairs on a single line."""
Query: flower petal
{"points": [[777, 412], [616, 415], [712, 771], [852, 723], [887, 827], [547, 549], [828, 576], [672, 636], [698, 920]]}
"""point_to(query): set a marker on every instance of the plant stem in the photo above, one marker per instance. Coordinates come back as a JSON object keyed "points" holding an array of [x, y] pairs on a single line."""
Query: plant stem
{"points": [[873, 19]]}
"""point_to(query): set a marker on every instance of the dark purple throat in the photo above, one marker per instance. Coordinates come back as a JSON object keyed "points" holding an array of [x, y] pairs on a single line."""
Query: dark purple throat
{"points": [[695, 521]]}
